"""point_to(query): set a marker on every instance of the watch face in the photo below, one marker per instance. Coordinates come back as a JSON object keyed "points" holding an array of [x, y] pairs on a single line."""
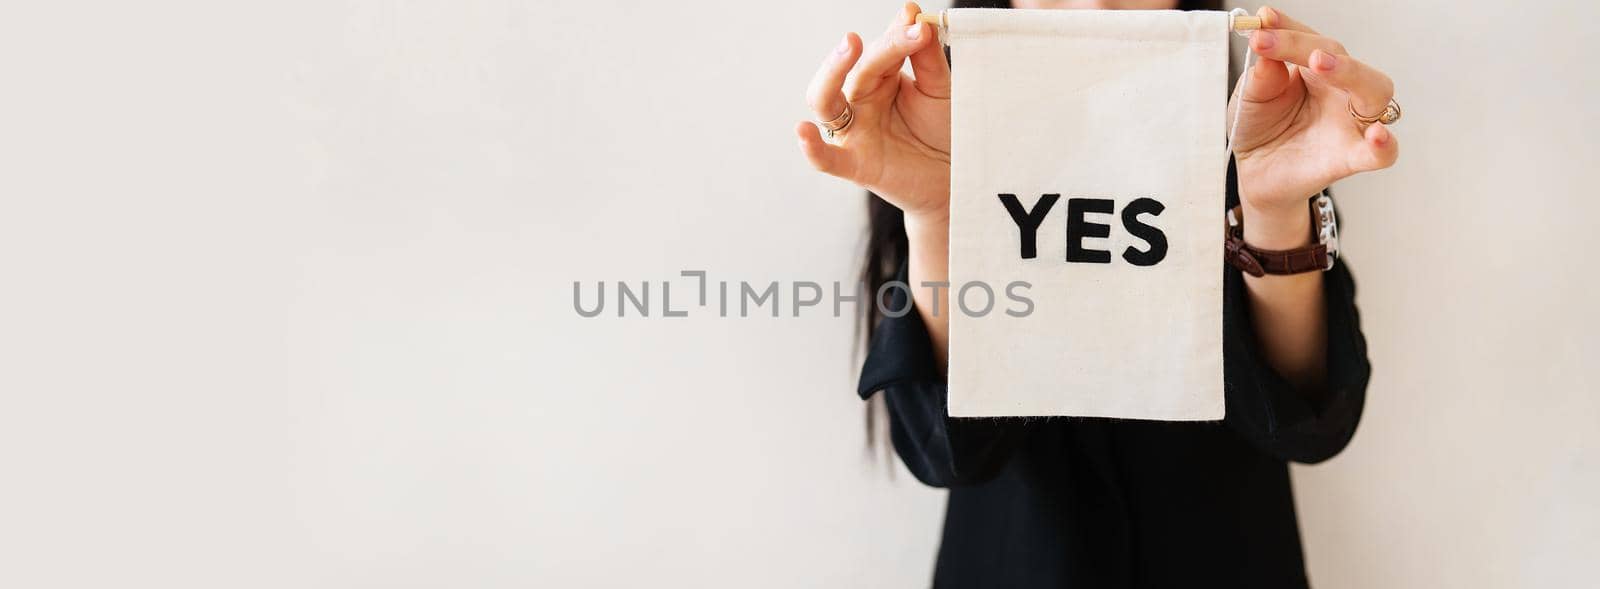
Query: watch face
{"points": [[1327, 226]]}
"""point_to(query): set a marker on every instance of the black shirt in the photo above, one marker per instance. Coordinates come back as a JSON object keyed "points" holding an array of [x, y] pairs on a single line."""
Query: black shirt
{"points": [[1104, 503]]}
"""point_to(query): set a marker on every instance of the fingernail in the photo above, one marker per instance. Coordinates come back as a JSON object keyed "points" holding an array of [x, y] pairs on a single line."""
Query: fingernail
{"points": [[1326, 61], [1265, 40], [844, 46], [914, 32]]}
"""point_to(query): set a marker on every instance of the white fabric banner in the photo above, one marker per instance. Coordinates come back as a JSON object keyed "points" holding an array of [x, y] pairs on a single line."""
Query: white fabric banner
{"points": [[1105, 130]]}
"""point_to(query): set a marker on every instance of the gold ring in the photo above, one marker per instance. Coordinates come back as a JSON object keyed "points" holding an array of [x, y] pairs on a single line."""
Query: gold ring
{"points": [[1390, 114], [838, 124]]}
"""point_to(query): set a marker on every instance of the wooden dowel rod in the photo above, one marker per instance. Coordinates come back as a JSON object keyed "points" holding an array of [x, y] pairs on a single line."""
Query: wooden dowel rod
{"points": [[1240, 23]]}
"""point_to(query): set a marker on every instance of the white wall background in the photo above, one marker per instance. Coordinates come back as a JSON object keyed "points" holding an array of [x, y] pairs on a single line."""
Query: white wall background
{"points": [[285, 301]]}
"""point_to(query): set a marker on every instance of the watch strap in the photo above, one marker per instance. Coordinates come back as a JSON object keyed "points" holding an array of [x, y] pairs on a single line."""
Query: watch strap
{"points": [[1259, 262]]}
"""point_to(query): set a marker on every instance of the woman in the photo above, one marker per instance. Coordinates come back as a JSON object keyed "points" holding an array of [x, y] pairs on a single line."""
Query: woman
{"points": [[1109, 503]]}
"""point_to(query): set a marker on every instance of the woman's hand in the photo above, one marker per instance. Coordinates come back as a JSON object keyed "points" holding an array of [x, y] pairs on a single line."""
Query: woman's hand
{"points": [[1297, 135], [898, 144], [1295, 138]]}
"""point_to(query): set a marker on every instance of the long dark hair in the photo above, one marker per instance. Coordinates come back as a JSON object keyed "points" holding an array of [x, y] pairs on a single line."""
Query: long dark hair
{"points": [[886, 233]]}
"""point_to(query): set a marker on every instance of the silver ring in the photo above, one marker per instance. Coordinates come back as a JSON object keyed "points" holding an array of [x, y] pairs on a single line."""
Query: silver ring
{"points": [[839, 123]]}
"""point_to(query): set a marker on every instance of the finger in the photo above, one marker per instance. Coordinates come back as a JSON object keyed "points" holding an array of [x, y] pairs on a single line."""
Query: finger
{"points": [[1292, 46], [1269, 78], [928, 65], [1377, 150], [884, 57], [1369, 89], [825, 95], [1272, 18], [827, 158]]}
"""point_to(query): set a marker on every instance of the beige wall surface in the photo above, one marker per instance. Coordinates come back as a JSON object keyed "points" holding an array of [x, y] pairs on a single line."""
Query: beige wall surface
{"points": [[1477, 463], [286, 300]]}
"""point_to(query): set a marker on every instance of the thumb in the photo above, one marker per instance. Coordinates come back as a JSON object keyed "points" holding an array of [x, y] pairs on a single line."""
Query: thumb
{"points": [[1269, 78], [928, 64]]}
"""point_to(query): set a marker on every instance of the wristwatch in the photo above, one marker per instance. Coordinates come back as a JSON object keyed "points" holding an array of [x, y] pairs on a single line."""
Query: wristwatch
{"points": [[1259, 262]]}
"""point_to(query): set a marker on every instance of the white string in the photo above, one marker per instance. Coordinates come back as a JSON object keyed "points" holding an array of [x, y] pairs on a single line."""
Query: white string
{"points": [[1244, 78]]}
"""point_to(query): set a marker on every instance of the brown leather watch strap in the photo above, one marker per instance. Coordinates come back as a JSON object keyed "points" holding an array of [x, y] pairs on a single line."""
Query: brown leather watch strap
{"points": [[1259, 262]]}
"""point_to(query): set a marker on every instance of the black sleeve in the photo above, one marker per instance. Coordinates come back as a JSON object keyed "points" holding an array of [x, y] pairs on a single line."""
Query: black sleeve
{"points": [[939, 450], [1303, 426]]}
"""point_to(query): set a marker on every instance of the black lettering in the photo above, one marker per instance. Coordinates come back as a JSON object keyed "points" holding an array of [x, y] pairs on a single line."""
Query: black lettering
{"points": [[1028, 221], [1149, 233], [1077, 229]]}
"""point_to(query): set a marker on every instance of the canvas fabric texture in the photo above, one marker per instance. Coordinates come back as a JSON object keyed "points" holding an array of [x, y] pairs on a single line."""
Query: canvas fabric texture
{"points": [[1093, 106]]}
